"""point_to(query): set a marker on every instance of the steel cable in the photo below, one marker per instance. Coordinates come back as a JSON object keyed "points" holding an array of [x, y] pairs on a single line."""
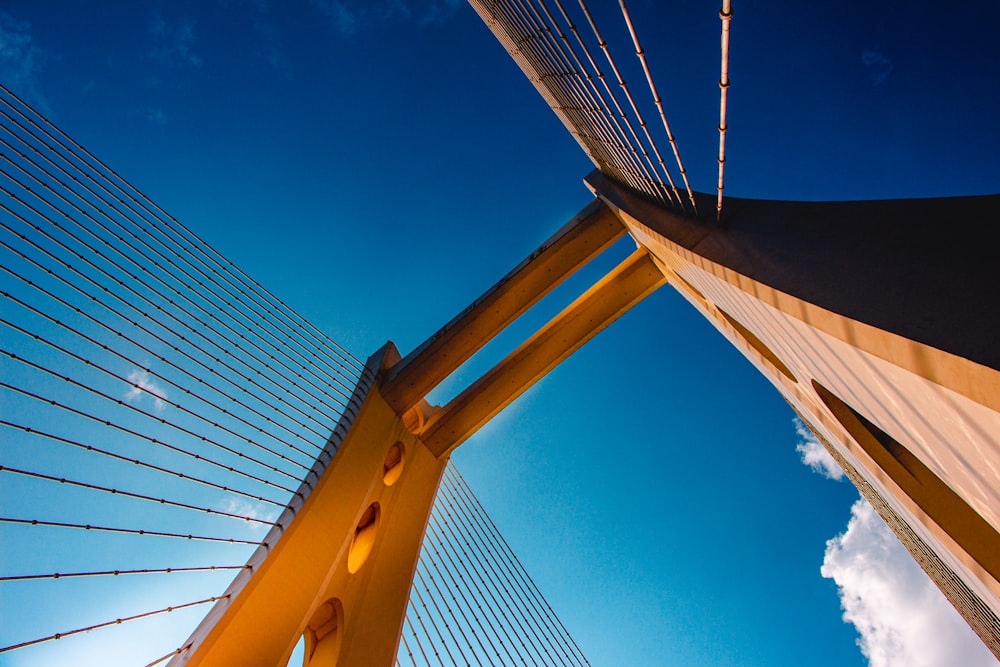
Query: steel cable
{"points": [[136, 325], [189, 239], [726, 15], [108, 422], [117, 621], [435, 539], [145, 316], [140, 365], [489, 572], [519, 568], [131, 494], [631, 100], [658, 191], [115, 573], [139, 462], [475, 582], [198, 329], [129, 531], [489, 559], [641, 53], [118, 401], [225, 307]]}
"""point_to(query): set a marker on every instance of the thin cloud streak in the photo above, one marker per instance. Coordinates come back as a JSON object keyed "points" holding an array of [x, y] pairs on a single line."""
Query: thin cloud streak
{"points": [[143, 383], [173, 43], [21, 60], [154, 115], [815, 455], [251, 509], [878, 65], [349, 17]]}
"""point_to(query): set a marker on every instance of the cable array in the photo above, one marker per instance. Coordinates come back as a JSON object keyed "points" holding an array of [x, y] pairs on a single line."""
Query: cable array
{"points": [[161, 409], [472, 602], [602, 119], [164, 413]]}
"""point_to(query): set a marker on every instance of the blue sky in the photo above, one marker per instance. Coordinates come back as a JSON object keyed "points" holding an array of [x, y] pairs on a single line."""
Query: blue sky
{"points": [[379, 164]]}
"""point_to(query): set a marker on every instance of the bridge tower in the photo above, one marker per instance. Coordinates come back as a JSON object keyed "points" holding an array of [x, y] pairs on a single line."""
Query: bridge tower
{"points": [[341, 572], [874, 320]]}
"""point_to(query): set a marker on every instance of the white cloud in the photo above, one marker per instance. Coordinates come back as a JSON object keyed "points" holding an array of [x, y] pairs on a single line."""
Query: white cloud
{"points": [[143, 383], [20, 60], [902, 618], [814, 454]]}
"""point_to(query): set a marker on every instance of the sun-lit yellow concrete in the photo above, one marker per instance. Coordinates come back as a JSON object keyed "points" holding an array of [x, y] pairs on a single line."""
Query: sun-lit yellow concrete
{"points": [[584, 237], [628, 284], [305, 584], [340, 573]]}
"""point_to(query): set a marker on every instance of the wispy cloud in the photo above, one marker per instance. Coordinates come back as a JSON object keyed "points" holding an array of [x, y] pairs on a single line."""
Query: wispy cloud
{"points": [[902, 618], [877, 64], [154, 115], [173, 42], [269, 37], [251, 509], [21, 60], [349, 17], [343, 18], [814, 454], [143, 383]]}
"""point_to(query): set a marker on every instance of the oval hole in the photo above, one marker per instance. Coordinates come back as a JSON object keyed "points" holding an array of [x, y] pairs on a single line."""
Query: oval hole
{"points": [[323, 634], [364, 539], [758, 344], [393, 466], [931, 493]]}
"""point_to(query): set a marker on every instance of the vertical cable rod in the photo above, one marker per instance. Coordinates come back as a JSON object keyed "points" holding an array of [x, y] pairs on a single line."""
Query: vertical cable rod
{"points": [[641, 53], [726, 15], [631, 100], [659, 191]]}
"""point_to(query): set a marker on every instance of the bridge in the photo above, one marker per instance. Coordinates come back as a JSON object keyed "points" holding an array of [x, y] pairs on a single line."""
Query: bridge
{"points": [[137, 354]]}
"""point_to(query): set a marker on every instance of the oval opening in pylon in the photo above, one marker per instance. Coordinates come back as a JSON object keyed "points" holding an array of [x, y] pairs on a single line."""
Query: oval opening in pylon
{"points": [[364, 539], [393, 466]]}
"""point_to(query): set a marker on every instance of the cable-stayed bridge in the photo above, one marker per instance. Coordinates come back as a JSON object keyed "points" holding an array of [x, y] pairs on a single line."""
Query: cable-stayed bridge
{"points": [[123, 323]]}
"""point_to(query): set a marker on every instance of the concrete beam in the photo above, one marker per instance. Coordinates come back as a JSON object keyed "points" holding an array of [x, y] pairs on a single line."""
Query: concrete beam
{"points": [[628, 284], [584, 237]]}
